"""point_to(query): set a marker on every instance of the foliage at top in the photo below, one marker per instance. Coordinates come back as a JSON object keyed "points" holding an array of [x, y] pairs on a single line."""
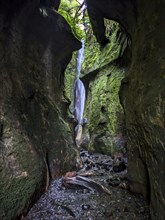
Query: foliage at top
{"points": [[74, 12]]}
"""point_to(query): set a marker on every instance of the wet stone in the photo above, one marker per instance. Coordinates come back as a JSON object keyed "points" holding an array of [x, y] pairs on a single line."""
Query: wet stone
{"points": [[119, 167], [85, 207], [113, 182], [126, 209], [84, 154]]}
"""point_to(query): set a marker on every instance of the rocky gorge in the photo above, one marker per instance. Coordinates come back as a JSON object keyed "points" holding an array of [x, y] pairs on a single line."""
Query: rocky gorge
{"points": [[36, 139]]}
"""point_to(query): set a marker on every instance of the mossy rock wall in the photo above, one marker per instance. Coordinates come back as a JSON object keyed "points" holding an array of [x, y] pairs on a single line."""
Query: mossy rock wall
{"points": [[36, 44], [143, 98], [104, 112], [142, 94]]}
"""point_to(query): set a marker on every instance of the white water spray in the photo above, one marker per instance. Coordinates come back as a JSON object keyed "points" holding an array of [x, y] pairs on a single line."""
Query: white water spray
{"points": [[79, 97], [80, 58]]}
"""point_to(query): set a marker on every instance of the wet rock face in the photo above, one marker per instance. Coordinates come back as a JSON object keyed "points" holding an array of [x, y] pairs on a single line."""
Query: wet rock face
{"points": [[143, 99], [105, 132], [36, 44], [142, 95], [124, 13]]}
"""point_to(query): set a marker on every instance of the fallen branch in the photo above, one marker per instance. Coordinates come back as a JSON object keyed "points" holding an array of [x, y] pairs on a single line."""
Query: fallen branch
{"points": [[86, 183], [88, 174]]}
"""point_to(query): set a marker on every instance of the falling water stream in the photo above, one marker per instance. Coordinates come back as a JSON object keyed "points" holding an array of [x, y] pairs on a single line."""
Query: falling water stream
{"points": [[79, 97], [80, 59]]}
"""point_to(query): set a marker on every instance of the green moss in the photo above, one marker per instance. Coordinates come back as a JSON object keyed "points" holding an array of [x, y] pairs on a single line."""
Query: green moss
{"points": [[33, 128], [97, 99], [114, 107], [95, 57], [71, 11], [70, 75], [19, 178], [103, 108], [103, 100]]}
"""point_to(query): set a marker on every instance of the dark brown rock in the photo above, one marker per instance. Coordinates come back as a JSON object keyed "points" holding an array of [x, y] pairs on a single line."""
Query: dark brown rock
{"points": [[122, 12], [143, 93], [36, 44]]}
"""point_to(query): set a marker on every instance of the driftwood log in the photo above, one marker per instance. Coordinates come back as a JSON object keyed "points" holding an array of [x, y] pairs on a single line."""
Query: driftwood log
{"points": [[80, 181]]}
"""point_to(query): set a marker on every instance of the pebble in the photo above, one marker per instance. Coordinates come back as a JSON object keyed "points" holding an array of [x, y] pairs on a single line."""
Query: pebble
{"points": [[85, 207], [113, 182], [126, 209], [119, 167]]}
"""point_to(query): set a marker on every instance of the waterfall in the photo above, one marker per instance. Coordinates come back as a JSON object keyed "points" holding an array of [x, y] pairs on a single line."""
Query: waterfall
{"points": [[79, 100], [80, 58], [79, 97]]}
